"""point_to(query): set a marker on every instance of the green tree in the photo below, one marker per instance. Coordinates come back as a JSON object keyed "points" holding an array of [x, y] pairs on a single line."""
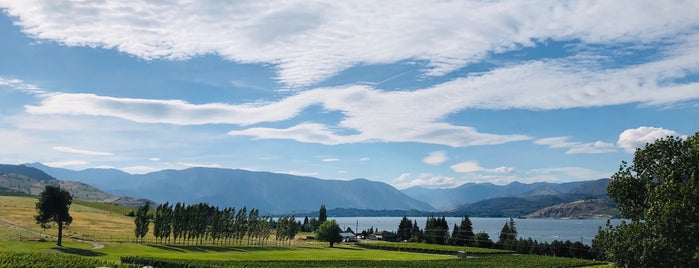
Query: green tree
{"points": [[142, 220], [53, 206], [404, 229], [659, 193], [482, 240], [322, 214], [462, 235], [329, 232], [508, 236]]}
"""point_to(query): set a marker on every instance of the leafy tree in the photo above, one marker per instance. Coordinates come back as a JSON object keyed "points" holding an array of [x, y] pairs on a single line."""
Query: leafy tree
{"points": [[659, 193], [329, 232], [482, 240], [53, 206], [142, 220]]}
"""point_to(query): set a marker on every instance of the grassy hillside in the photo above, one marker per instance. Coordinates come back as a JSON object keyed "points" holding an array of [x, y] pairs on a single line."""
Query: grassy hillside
{"points": [[89, 220]]}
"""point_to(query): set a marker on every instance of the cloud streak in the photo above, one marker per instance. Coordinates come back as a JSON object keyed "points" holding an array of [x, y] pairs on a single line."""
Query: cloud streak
{"points": [[80, 151]]}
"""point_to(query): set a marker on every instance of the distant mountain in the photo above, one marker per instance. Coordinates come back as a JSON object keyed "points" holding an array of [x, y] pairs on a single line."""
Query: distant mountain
{"points": [[270, 192], [450, 198], [513, 206], [15, 179], [592, 188], [600, 208]]}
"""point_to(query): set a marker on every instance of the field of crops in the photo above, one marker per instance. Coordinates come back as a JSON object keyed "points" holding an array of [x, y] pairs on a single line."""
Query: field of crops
{"points": [[486, 261], [40, 259], [430, 248]]}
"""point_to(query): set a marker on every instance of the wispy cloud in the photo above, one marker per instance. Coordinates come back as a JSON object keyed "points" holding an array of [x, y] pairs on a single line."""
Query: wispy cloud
{"points": [[330, 159], [597, 147], [309, 41], [473, 166], [80, 151], [67, 163]]}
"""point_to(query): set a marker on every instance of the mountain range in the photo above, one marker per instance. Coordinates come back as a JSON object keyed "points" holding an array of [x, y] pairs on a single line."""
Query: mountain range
{"points": [[277, 193], [269, 192]]}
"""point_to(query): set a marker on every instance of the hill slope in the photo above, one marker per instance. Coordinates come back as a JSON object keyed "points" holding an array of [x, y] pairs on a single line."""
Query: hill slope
{"points": [[269, 192], [20, 179], [450, 198], [582, 209]]}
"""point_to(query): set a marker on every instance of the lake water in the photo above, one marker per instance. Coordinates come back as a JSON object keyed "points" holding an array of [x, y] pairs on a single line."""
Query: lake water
{"points": [[583, 230]]}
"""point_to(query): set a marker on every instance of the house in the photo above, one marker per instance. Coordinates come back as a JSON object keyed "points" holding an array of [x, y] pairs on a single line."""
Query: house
{"points": [[386, 235], [348, 237]]}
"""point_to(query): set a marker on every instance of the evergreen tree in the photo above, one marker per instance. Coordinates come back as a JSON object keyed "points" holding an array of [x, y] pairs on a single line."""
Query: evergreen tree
{"points": [[404, 229], [53, 206], [322, 214], [463, 234]]}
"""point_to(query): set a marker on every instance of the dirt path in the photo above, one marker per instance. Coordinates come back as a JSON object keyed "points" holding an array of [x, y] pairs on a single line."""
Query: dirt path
{"points": [[95, 244]]}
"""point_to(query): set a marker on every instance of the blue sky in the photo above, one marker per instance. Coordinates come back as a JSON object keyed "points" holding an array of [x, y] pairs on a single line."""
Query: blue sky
{"points": [[429, 93]]}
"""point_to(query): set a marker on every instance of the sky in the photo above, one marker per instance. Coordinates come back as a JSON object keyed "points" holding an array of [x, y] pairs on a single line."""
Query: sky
{"points": [[410, 93]]}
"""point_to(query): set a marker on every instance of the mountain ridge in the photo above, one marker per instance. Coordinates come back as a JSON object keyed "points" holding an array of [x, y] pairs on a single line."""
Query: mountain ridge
{"points": [[270, 192]]}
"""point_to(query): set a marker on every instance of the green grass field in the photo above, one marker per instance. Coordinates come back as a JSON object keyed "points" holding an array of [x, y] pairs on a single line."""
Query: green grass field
{"points": [[21, 240]]}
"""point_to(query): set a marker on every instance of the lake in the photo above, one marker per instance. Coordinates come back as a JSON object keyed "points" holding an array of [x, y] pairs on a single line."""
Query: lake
{"points": [[583, 230]]}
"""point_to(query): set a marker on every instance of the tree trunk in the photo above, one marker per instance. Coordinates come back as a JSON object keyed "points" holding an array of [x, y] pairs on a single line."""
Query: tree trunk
{"points": [[60, 234], [331, 244]]}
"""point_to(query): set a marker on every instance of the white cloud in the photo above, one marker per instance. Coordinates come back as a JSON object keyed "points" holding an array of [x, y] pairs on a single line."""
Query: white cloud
{"points": [[66, 163], [597, 147], [364, 159], [467, 167], [300, 173], [188, 165], [503, 169], [425, 180], [634, 138], [309, 41], [154, 159], [139, 169], [435, 158], [331, 159], [80, 151]]}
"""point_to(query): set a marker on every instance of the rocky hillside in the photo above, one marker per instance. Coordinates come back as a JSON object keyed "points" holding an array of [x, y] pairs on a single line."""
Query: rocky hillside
{"points": [[600, 208]]}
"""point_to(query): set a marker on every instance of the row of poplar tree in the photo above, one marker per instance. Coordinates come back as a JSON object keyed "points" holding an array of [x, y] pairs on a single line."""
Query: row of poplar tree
{"points": [[200, 223]]}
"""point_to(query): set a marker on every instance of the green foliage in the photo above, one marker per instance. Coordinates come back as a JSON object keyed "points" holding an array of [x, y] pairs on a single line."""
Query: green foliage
{"points": [[508, 236], [660, 194], [482, 240], [462, 235], [329, 232], [53, 206], [322, 214], [485, 261], [436, 230], [38, 259], [142, 221], [430, 248]]}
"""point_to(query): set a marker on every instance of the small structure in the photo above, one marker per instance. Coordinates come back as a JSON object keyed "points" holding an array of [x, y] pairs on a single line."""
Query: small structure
{"points": [[348, 237], [386, 236]]}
